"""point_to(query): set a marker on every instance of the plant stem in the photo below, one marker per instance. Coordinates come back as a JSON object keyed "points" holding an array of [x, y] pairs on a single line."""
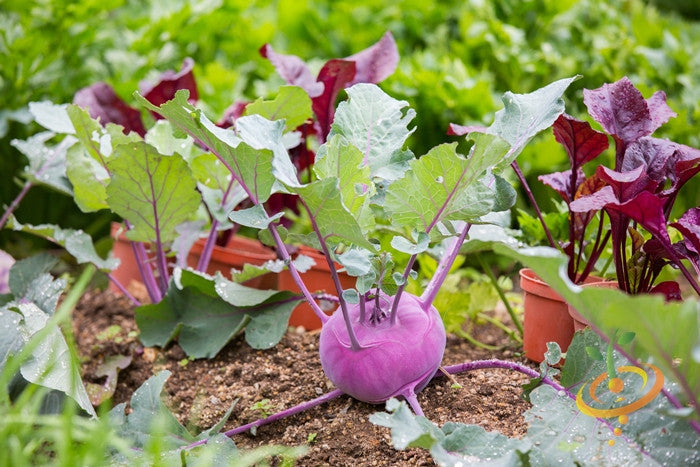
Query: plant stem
{"points": [[15, 202], [277, 416], [123, 290], [531, 197], [282, 250], [146, 272], [205, 257], [399, 291], [443, 268], [501, 293]]}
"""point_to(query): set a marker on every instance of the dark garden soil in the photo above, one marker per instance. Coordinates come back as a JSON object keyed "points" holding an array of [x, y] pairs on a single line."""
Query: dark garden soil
{"points": [[337, 432]]}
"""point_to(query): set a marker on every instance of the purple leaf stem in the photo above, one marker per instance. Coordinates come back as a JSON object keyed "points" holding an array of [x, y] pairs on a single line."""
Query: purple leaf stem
{"points": [[274, 417], [531, 197], [354, 343], [399, 291], [146, 272], [443, 269], [15, 202], [123, 290], [204, 259], [284, 253]]}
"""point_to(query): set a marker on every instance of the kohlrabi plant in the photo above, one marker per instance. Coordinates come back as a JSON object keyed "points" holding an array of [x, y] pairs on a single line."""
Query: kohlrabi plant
{"points": [[382, 341]]}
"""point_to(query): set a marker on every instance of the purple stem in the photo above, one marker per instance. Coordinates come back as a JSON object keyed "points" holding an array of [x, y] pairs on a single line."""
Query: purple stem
{"points": [[443, 269], [123, 290], [284, 253], [204, 259], [531, 197], [155, 293], [15, 202], [274, 417], [399, 291]]}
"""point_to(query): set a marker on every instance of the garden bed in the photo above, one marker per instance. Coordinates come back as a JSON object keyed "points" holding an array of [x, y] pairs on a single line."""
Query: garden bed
{"points": [[338, 432]]}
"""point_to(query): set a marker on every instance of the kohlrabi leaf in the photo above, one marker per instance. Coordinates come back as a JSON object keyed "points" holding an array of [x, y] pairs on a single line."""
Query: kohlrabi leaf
{"points": [[153, 192], [357, 262], [148, 412], [455, 443], [76, 242], [51, 116], [525, 115], [292, 104], [377, 125], [255, 217], [251, 163], [162, 137], [444, 185], [193, 312], [86, 163], [337, 158], [50, 364], [420, 243], [47, 163], [334, 221]]}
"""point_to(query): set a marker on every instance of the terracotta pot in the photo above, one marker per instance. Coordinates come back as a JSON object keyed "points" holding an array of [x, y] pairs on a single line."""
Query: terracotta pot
{"points": [[238, 252], [546, 317], [317, 278], [580, 322]]}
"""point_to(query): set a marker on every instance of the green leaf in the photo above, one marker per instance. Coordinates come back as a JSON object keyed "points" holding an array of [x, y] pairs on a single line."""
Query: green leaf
{"points": [[356, 262], [253, 165], [322, 199], [525, 115], [338, 158], [51, 116], [109, 369], [153, 192], [406, 246], [254, 217], [377, 125], [444, 185], [76, 242], [50, 364], [205, 313], [47, 164], [147, 410], [86, 163], [162, 137], [292, 104], [25, 272]]}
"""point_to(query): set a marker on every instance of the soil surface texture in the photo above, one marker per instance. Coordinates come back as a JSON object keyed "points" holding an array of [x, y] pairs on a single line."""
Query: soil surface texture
{"points": [[337, 433]]}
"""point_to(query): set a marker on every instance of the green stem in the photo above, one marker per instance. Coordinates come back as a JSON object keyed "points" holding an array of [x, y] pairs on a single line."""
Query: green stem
{"points": [[501, 294], [501, 326]]}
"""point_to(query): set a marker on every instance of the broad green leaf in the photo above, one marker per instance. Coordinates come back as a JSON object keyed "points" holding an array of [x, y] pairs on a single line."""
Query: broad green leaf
{"points": [[51, 116], [337, 158], [47, 164], [24, 272], [406, 246], [147, 410], [292, 104], [334, 220], [76, 242], [525, 115], [377, 125], [162, 137], [444, 185], [153, 192], [205, 313], [86, 163], [11, 340], [356, 262], [50, 365], [224, 143]]}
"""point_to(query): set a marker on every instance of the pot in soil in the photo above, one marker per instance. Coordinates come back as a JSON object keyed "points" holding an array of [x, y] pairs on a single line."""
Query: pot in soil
{"points": [[580, 322], [546, 316], [239, 251], [318, 278]]}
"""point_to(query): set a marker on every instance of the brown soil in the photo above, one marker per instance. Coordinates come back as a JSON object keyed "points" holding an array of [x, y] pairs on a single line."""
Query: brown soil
{"points": [[337, 432]]}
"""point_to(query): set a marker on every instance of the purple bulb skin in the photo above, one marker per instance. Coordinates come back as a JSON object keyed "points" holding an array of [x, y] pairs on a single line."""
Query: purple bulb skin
{"points": [[396, 360]]}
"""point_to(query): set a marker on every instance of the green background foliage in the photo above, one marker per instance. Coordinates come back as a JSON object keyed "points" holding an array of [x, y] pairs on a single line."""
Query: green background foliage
{"points": [[457, 58]]}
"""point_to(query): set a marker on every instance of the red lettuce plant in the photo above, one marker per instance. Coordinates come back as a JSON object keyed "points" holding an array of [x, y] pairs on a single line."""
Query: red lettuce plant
{"points": [[641, 190]]}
